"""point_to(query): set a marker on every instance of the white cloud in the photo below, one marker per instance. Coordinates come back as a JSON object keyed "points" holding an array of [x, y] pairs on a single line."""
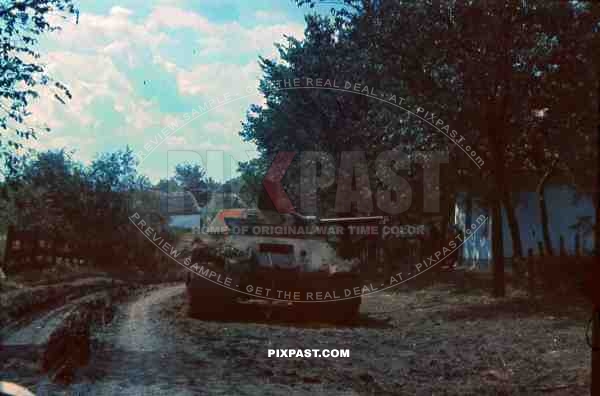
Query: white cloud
{"points": [[222, 128], [229, 39], [183, 143], [173, 17], [229, 43], [233, 39], [268, 15], [165, 64], [83, 144], [88, 56], [208, 146], [115, 33], [120, 12], [97, 78], [175, 141], [214, 80]]}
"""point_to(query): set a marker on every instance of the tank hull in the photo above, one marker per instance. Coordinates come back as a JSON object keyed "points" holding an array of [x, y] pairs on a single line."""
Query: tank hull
{"points": [[305, 296]]}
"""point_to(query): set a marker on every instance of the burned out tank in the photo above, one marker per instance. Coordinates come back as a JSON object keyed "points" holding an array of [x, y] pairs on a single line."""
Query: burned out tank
{"points": [[285, 260]]}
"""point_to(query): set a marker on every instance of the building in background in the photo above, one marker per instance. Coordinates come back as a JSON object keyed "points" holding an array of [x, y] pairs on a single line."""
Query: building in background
{"points": [[571, 216]]}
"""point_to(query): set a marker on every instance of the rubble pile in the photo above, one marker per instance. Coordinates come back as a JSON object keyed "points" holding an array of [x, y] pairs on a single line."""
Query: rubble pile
{"points": [[68, 347], [22, 302]]}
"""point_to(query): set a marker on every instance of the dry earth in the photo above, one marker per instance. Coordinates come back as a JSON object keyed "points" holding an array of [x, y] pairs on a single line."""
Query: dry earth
{"points": [[437, 340]]}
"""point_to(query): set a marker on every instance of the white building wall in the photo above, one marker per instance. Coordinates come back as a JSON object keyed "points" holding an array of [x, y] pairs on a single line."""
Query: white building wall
{"points": [[565, 210]]}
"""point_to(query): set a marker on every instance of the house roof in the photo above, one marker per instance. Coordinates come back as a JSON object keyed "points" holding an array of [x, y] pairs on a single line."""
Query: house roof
{"points": [[219, 224]]}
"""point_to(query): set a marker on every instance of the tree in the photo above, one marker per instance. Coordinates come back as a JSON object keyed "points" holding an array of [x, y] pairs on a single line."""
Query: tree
{"points": [[339, 121], [249, 186], [487, 68], [168, 185], [192, 178], [46, 193], [213, 185], [22, 22], [87, 207], [503, 61], [110, 180]]}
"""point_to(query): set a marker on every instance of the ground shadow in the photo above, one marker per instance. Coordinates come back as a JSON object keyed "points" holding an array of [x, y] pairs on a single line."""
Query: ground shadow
{"points": [[287, 317], [521, 307]]}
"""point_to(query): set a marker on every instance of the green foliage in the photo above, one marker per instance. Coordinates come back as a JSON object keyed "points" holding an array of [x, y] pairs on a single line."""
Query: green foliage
{"points": [[327, 120], [64, 200], [485, 69], [249, 184], [168, 185], [22, 22], [191, 177]]}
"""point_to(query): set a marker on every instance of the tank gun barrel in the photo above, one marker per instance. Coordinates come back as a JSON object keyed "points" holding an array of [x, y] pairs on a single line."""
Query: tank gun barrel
{"points": [[335, 220]]}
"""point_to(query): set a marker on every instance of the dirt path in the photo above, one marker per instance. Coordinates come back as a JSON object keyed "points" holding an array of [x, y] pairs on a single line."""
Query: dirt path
{"points": [[434, 340], [38, 331], [138, 353], [153, 349], [137, 331]]}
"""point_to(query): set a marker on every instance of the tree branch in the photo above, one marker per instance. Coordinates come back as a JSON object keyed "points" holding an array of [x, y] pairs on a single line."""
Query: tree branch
{"points": [[25, 4]]}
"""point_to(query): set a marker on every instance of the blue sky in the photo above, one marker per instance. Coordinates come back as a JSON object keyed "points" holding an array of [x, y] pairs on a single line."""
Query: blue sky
{"points": [[134, 66]]}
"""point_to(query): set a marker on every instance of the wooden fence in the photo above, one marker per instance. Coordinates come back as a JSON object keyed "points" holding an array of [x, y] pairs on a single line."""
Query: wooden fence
{"points": [[37, 250]]}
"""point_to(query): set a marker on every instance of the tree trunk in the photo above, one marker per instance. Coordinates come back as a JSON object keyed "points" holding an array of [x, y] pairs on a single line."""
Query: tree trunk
{"points": [[544, 209], [515, 236], [497, 249], [447, 217], [595, 380], [497, 120], [496, 202], [596, 196], [451, 210], [544, 220], [513, 225], [468, 211]]}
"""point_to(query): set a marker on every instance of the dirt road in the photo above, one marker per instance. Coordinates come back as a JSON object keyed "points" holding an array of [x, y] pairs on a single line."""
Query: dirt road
{"points": [[139, 331], [153, 348], [437, 341]]}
